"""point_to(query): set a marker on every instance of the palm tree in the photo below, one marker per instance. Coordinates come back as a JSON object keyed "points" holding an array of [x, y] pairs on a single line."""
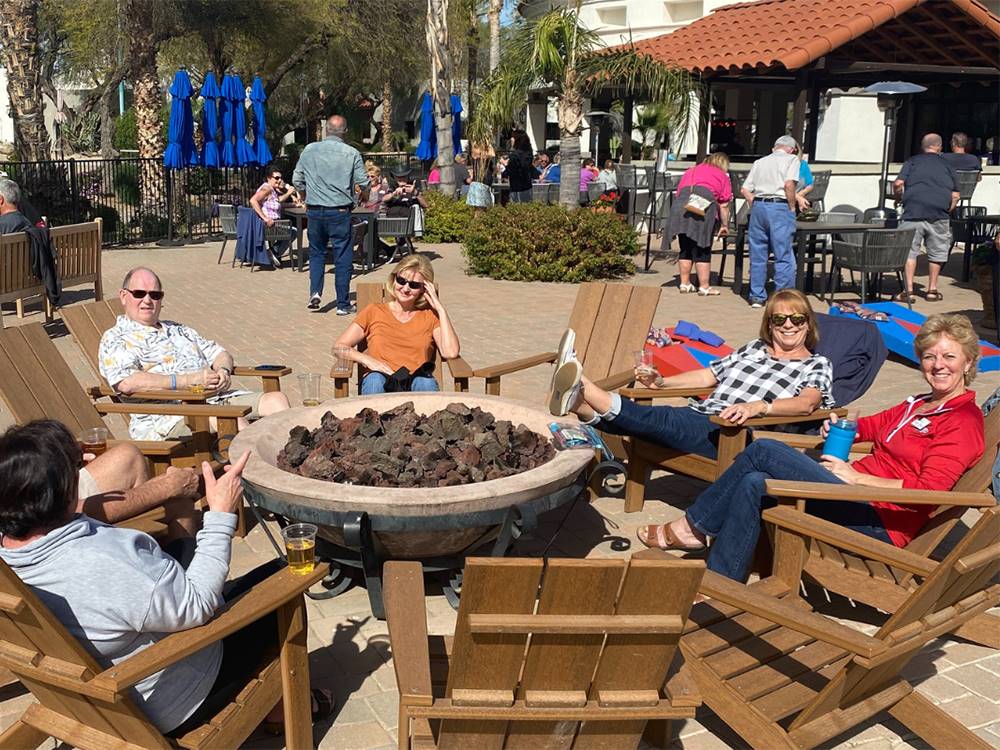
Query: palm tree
{"points": [[493, 15], [19, 55], [441, 85], [557, 53]]}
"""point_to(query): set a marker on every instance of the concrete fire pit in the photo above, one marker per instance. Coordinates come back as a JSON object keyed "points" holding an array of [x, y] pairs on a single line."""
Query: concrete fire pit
{"points": [[408, 523]]}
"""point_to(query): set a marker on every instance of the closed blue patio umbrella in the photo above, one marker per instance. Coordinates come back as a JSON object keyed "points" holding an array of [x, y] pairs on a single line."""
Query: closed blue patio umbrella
{"points": [[427, 148], [237, 93], [456, 122], [210, 121], [228, 156], [180, 150], [257, 98]]}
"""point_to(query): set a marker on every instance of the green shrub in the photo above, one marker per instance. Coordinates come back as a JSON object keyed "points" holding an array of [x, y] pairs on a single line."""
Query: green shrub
{"points": [[127, 131], [535, 242], [446, 219]]}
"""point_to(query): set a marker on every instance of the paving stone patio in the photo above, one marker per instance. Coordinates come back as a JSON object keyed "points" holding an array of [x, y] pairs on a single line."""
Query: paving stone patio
{"points": [[261, 317]]}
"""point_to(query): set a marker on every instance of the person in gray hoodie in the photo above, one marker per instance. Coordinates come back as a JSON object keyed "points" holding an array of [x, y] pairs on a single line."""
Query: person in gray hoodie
{"points": [[114, 589]]}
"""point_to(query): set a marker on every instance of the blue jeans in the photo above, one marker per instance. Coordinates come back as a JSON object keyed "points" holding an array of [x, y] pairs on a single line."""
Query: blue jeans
{"points": [[520, 196], [325, 225], [772, 227], [729, 510], [675, 427], [279, 247], [374, 382]]}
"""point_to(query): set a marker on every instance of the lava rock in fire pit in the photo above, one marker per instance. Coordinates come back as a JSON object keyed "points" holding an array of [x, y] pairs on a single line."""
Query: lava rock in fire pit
{"points": [[400, 448]]}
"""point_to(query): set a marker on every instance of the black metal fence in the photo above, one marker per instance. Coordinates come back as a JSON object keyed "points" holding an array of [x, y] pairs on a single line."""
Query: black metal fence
{"points": [[139, 200]]}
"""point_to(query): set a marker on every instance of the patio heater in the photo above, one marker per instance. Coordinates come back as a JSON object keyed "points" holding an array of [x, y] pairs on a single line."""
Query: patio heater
{"points": [[890, 95]]}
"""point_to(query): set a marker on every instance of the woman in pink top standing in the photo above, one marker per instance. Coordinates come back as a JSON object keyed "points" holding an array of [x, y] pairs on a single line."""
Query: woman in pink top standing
{"points": [[696, 232]]}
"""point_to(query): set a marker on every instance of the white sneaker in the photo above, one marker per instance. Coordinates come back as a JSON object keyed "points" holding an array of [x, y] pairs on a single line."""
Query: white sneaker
{"points": [[566, 350], [565, 387], [755, 304]]}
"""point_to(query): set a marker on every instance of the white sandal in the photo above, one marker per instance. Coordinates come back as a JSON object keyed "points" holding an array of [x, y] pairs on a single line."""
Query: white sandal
{"points": [[687, 288], [709, 291]]}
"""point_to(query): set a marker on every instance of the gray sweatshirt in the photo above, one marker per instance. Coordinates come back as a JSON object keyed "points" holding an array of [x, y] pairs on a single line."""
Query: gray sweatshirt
{"points": [[117, 592]]}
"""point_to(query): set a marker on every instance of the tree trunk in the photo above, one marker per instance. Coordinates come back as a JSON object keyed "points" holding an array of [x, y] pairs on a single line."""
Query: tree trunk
{"points": [[493, 14], [148, 101], [441, 85], [22, 63], [107, 124], [387, 144], [570, 111]]}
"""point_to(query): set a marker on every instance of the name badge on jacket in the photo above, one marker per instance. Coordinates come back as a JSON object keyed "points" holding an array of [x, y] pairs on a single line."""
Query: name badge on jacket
{"points": [[921, 423]]}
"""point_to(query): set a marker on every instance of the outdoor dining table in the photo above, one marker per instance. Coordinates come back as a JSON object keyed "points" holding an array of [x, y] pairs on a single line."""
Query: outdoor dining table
{"points": [[298, 215], [805, 233]]}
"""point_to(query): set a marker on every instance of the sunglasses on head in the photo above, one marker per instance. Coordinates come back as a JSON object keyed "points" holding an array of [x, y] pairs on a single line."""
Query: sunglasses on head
{"points": [[415, 285], [798, 319], [154, 294]]}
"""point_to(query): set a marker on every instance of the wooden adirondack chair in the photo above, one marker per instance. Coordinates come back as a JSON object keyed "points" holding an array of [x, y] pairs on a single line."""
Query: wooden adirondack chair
{"points": [[373, 294], [87, 323], [86, 706], [871, 581], [783, 676], [602, 640], [611, 322], [36, 383]]}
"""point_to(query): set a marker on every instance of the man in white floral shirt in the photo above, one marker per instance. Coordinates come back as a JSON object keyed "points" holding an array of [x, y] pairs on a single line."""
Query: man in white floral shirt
{"points": [[141, 352]]}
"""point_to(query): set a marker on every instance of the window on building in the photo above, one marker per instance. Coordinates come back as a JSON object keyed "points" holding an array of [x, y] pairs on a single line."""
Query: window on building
{"points": [[616, 15], [682, 11]]}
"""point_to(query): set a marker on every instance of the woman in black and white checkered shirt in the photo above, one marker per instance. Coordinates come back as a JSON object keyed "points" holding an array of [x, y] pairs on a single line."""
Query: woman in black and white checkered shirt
{"points": [[776, 374]]}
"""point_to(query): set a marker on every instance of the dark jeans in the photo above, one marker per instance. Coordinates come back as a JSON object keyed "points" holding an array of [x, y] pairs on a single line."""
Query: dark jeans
{"points": [[520, 196], [242, 651], [675, 427], [729, 510], [325, 225]]}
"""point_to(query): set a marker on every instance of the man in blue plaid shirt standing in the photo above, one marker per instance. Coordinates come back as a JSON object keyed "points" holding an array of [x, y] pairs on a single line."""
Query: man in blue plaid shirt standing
{"points": [[325, 175]]}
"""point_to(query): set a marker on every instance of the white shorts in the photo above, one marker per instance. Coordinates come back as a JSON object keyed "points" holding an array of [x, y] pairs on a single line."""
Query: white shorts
{"points": [[87, 485]]}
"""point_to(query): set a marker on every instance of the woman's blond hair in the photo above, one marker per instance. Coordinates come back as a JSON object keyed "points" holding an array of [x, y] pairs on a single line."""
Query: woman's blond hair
{"points": [[373, 168], [717, 159], [415, 262], [798, 302], [956, 327]]}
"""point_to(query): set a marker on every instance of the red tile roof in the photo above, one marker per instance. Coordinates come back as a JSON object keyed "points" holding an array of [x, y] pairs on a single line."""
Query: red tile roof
{"points": [[789, 34]]}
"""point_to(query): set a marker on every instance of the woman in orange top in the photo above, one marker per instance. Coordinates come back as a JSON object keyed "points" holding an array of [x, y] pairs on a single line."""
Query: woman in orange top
{"points": [[403, 332]]}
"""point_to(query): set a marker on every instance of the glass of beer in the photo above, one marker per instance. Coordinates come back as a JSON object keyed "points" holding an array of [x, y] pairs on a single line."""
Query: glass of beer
{"points": [[94, 440], [309, 387], [203, 375], [300, 546]]}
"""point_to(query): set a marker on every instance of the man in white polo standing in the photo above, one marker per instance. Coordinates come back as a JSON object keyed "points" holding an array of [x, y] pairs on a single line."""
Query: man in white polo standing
{"points": [[325, 175], [769, 190]]}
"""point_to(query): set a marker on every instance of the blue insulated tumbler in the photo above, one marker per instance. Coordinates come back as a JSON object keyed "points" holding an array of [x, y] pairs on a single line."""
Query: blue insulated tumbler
{"points": [[840, 438]]}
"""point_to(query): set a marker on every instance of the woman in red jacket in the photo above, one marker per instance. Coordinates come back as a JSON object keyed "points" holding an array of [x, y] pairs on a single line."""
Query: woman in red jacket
{"points": [[925, 443]]}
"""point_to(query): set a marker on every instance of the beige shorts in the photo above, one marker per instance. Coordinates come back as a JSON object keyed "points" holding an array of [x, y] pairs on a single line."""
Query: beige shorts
{"points": [[252, 400], [87, 485], [935, 237]]}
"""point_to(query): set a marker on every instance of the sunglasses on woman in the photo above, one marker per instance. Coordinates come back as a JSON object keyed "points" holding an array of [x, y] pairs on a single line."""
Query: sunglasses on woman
{"points": [[798, 319], [154, 294], [414, 285]]}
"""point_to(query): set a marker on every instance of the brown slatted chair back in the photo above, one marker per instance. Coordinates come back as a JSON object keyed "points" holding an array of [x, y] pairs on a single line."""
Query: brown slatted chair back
{"points": [[53, 665], [566, 606], [961, 582], [375, 294], [16, 277], [78, 254], [87, 323], [611, 321], [36, 382]]}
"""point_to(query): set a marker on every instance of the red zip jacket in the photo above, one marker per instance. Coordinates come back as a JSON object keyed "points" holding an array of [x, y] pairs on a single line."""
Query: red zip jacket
{"points": [[928, 452]]}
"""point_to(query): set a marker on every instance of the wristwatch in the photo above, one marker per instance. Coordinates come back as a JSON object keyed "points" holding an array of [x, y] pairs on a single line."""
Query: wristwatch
{"points": [[768, 403], [228, 371]]}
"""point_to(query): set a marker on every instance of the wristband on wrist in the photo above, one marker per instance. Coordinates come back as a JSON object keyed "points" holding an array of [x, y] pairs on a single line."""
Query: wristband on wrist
{"points": [[228, 371], [173, 382]]}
